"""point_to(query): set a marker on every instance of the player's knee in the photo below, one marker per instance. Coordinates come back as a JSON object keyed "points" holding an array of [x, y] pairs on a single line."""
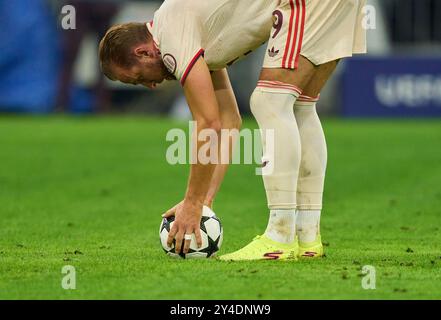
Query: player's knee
{"points": [[268, 104], [256, 104]]}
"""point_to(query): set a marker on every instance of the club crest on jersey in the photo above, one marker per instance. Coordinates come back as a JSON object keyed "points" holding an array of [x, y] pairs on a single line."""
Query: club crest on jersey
{"points": [[273, 52], [169, 62]]}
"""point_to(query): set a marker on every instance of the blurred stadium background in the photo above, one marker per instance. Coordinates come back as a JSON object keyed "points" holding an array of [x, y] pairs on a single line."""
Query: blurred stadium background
{"points": [[46, 69]]}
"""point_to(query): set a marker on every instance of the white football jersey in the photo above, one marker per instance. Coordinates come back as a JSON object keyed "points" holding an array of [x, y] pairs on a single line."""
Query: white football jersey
{"points": [[223, 31]]}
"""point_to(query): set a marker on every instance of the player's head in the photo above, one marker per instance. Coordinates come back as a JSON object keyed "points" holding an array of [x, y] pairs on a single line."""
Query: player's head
{"points": [[128, 53]]}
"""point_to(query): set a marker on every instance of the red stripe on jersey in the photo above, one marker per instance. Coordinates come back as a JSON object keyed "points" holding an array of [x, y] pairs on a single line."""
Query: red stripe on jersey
{"points": [[302, 30], [191, 64], [295, 38], [288, 40]]}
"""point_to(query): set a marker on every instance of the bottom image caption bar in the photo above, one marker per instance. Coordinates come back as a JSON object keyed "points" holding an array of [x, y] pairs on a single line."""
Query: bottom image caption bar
{"points": [[220, 310]]}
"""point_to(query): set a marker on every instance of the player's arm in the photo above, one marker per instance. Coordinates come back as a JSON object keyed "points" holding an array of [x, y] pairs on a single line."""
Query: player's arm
{"points": [[231, 120], [201, 98]]}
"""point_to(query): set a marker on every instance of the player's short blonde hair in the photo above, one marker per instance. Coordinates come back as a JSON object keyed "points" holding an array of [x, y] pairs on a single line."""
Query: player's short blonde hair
{"points": [[115, 47]]}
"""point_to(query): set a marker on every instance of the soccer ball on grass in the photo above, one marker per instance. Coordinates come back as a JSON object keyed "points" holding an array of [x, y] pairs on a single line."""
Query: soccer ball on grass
{"points": [[211, 234]]}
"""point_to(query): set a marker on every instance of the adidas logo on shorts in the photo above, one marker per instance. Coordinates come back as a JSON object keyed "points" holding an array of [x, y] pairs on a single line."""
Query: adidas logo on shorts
{"points": [[272, 53]]}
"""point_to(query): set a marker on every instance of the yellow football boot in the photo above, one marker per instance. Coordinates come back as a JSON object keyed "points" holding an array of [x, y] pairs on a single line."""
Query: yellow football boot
{"points": [[263, 248], [311, 249]]}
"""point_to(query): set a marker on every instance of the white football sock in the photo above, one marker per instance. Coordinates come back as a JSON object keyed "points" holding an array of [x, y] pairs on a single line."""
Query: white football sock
{"points": [[272, 106], [282, 226], [308, 225], [312, 171]]}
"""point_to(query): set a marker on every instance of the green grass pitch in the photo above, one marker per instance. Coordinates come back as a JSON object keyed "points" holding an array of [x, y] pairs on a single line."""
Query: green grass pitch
{"points": [[88, 192]]}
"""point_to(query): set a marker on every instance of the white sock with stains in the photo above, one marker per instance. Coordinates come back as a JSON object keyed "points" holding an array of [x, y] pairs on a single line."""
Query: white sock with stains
{"points": [[308, 225], [282, 225]]}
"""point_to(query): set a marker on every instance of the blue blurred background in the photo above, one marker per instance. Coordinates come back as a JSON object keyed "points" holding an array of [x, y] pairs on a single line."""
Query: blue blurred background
{"points": [[46, 69]]}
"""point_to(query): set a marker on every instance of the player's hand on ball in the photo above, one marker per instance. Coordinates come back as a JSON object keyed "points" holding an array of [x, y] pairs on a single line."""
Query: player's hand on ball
{"points": [[188, 219], [172, 211]]}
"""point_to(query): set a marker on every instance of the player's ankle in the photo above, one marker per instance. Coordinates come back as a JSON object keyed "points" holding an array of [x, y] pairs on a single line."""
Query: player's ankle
{"points": [[308, 225], [308, 241], [281, 226]]}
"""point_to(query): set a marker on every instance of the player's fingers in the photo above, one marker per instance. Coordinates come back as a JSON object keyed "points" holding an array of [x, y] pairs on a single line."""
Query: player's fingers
{"points": [[178, 243], [171, 235], [188, 234], [197, 233]]}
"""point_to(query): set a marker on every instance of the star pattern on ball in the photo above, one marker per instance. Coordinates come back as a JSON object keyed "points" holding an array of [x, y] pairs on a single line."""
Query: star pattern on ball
{"points": [[166, 222], [217, 219], [203, 220], [212, 248]]}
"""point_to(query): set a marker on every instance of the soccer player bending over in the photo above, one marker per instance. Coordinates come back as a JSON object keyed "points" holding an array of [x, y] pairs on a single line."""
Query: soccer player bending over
{"points": [[194, 41]]}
